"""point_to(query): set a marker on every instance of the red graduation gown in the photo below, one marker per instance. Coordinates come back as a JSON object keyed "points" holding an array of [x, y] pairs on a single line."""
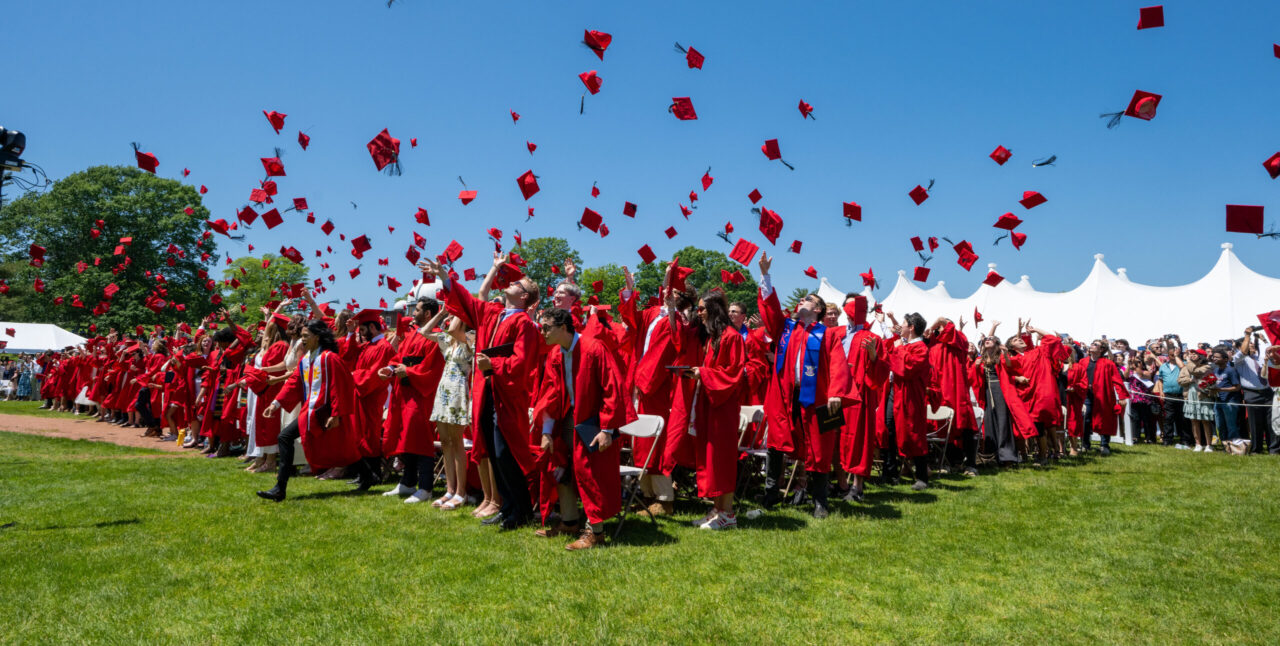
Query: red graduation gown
{"points": [[653, 382], [867, 379], [1108, 390], [266, 430], [1077, 382], [949, 363], [723, 384], [1020, 421], [371, 394], [909, 364], [326, 382], [1041, 365], [409, 428]]}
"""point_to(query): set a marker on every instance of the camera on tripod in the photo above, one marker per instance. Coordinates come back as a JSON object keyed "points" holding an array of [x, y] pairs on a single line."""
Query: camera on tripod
{"points": [[12, 143]]}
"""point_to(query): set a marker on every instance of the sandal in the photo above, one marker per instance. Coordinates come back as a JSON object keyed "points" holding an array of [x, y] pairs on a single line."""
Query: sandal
{"points": [[454, 502], [437, 503]]}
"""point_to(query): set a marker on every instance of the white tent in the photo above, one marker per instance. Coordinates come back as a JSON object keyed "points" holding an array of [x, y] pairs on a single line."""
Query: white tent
{"points": [[1217, 306], [30, 338]]}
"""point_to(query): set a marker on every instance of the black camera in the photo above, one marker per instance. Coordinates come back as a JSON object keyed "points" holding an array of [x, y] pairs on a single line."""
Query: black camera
{"points": [[12, 143]]}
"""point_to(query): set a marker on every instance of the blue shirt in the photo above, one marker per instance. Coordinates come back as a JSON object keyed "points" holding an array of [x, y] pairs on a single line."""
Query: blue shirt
{"points": [[1169, 378], [1227, 377]]}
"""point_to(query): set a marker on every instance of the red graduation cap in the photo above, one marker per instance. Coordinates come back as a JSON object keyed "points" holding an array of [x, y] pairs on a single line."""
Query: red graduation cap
{"points": [[453, 252], [693, 196], [528, 184], [977, 316], [770, 224], [744, 251], [412, 255], [469, 273], [1008, 222], [273, 166], [597, 286], [772, 152], [304, 140], [276, 119], [36, 252], [515, 116], [869, 278], [1149, 17], [354, 272], [385, 151], [811, 272], [728, 227], [466, 196], [591, 80], [272, 218], [992, 279], [591, 220], [421, 217], [646, 254], [419, 240], [393, 284], [1244, 219], [327, 227], [692, 56], [300, 203], [531, 146], [917, 244], [707, 179], [1032, 199], [494, 233], [918, 194], [598, 41], [203, 189], [852, 211], [671, 232], [933, 243], [1271, 324], [629, 209], [685, 211], [795, 246], [292, 254], [259, 196], [218, 225], [1272, 165], [361, 244], [1143, 105], [682, 107], [110, 290], [146, 161], [921, 274], [1001, 155], [413, 142], [679, 275], [754, 195], [806, 110], [1017, 239], [966, 255]]}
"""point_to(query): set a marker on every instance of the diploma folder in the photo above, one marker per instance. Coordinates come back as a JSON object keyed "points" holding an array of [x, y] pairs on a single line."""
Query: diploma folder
{"points": [[498, 351], [828, 421], [587, 432]]}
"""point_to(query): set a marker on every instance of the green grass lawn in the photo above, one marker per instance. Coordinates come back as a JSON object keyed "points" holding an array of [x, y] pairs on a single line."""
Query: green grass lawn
{"points": [[1149, 546], [31, 409]]}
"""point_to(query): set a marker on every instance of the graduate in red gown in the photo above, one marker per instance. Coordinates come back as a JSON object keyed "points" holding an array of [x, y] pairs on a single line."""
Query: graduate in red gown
{"points": [[502, 385], [864, 352], [809, 373], [951, 385], [580, 407], [371, 390], [906, 424], [268, 363], [1005, 414], [721, 388], [218, 402], [326, 422], [1077, 382], [1104, 390], [413, 373], [1040, 364]]}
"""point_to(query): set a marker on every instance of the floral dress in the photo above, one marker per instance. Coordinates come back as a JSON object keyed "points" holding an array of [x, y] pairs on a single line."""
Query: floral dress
{"points": [[453, 395]]}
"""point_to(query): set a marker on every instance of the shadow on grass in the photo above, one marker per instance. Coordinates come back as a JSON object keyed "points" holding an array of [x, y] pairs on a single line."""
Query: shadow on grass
{"points": [[337, 493], [101, 525]]}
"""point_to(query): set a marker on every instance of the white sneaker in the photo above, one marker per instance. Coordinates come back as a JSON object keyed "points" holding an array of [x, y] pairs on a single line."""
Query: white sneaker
{"points": [[1181, 446], [1198, 449], [710, 515], [421, 495], [1208, 448], [721, 521], [400, 490]]}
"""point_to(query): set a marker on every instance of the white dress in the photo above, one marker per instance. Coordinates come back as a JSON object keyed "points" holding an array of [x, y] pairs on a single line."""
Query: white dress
{"points": [[453, 395]]}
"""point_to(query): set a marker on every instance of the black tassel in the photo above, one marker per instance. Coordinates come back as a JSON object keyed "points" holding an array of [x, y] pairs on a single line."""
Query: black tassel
{"points": [[929, 187], [1114, 118], [393, 169], [582, 103], [1048, 161], [784, 163], [681, 49], [724, 236], [997, 242], [464, 184]]}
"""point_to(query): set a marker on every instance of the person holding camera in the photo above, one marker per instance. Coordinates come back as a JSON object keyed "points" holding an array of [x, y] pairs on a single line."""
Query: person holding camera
{"points": [[1256, 392]]}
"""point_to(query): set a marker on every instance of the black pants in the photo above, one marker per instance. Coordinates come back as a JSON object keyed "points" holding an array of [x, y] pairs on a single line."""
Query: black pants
{"points": [[1143, 419], [1259, 419], [510, 478], [1171, 421], [1105, 442], [143, 405], [419, 471], [284, 444]]}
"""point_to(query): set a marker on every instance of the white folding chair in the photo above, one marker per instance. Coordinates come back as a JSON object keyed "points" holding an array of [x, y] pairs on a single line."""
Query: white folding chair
{"points": [[748, 415], [941, 437], [645, 426]]}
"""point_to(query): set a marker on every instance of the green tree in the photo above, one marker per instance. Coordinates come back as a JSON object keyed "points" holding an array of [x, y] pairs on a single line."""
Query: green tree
{"points": [[798, 294], [706, 265], [541, 254], [118, 202], [610, 275], [256, 285]]}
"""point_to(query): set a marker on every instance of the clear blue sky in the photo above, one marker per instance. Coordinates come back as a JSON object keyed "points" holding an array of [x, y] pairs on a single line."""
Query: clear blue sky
{"points": [[903, 92]]}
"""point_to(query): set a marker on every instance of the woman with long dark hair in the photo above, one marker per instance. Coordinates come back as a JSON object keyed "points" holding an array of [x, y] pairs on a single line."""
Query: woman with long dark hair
{"points": [[1004, 413], [721, 388]]}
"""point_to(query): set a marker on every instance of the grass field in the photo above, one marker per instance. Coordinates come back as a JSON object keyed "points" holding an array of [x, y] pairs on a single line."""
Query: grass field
{"points": [[1149, 546], [31, 408]]}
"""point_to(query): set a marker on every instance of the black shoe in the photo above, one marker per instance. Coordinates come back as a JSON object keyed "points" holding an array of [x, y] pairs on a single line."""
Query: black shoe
{"points": [[363, 484], [854, 496], [820, 511], [493, 520], [1104, 451], [274, 494], [771, 499], [920, 485], [509, 524]]}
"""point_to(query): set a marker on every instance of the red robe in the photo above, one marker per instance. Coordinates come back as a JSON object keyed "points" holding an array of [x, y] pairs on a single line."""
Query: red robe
{"points": [[1041, 365], [266, 430], [803, 439], [409, 428], [1077, 383], [909, 363], [1108, 390], [371, 394], [867, 380], [1021, 424], [332, 387], [949, 363], [722, 387], [654, 384]]}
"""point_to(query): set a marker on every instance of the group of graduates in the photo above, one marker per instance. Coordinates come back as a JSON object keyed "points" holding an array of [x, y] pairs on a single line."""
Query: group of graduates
{"points": [[537, 395]]}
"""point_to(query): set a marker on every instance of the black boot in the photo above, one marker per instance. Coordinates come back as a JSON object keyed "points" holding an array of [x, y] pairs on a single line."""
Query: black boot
{"points": [[921, 469], [819, 485], [277, 493], [889, 470], [364, 478], [773, 478]]}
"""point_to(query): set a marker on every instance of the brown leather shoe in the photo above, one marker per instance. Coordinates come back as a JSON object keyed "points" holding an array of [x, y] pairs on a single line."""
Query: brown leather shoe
{"points": [[559, 530], [662, 508], [587, 540]]}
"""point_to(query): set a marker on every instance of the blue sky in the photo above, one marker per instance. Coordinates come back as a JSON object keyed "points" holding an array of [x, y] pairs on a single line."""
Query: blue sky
{"points": [[903, 92]]}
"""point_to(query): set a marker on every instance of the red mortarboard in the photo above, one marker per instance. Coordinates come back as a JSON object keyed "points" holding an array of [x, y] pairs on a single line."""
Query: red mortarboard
{"points": [[685, 211], [1017, 239], [591, 80], [811, 272], [300, 203], [770, 225], [693, 57], [604, 230], [276, 119], [744, 251], [917, 244], [203, 189], [671, 232], [728, 228], [933, 243], [353, 272], [992, 279], [707, 179], [493, 232], [977, 316], [146, 161], [754, 195], [469, 273], [1244, 219], [515, 116], [385, 151], [869, 278], [361, 244], [272, 219], [1271, 324], [682, 107], [1143, 105], [1031, 199], [273, 166], [110, 290], [421, 217], [590, 219], [412, 255], [303, 140], [466, 196], [453, 252], [369, 316], [1149, 17], [918, 194], [528, 184], [629, 209], [852, 211], [967, 256], [280, 320], [598, 41], [795, 246], [771, 151], [413, 142], [36, 252], [806, 110], [679, 276], [531, 146], [1001, 155], [218, 225], [1008, 222], [419, 240], [597, 286], [1272, 165], [921, 274], [259, 196], [646, 254], [327, 227]]}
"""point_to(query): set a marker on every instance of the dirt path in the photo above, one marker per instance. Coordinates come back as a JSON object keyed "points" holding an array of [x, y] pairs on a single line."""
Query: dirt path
{"points": [[83, 429]]}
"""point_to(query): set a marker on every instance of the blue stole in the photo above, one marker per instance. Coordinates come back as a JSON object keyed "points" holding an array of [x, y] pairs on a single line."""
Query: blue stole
{"points": [[812, 355]]}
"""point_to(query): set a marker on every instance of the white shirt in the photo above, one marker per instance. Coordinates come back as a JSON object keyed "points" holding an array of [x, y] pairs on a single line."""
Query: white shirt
{"points": [[548, 424]]}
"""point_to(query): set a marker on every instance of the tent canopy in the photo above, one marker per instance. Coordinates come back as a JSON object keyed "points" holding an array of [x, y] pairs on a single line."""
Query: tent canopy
{"points": [[30, 338], [1218, 306]]}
